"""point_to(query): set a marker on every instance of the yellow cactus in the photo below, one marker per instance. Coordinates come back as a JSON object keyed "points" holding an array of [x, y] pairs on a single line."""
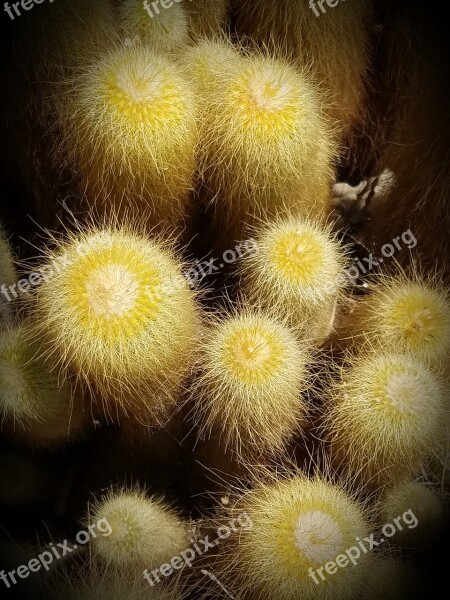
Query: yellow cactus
{"points": [[298, 272], [298, 527], [385, 415], [267, 145], [118, 312], [408, 314], [333, 43], [129, 127], [252, 372], [145, 532]]}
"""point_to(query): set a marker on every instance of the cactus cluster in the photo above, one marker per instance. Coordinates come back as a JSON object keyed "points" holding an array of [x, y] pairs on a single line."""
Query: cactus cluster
{"points": [[243, 422]]}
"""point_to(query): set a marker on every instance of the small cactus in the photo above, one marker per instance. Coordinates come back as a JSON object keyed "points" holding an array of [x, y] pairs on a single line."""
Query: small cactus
{"points": [[129, 127], [145, 532], [385, 415], [297, 273], [252, 371]]}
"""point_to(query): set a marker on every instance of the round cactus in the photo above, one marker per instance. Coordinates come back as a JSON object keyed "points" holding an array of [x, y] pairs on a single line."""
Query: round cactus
{"points": [[128, 126], [333, 43], [252, 371], [145, 532], [267, 145], [298, 527], [407, 314], [297, 272], [385, 415], [118, 313]]}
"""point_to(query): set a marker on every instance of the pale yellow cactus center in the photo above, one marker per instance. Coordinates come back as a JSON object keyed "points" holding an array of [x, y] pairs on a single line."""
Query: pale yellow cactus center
{"points": [[142, 93], [298, 256], [138, 82], [400, 391], [252, 354], [114, 293], [419, 316], [125, 532], [405, 392], [268, 94], [266, 100], [112, 290], [318, 536], [306, 524]]}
